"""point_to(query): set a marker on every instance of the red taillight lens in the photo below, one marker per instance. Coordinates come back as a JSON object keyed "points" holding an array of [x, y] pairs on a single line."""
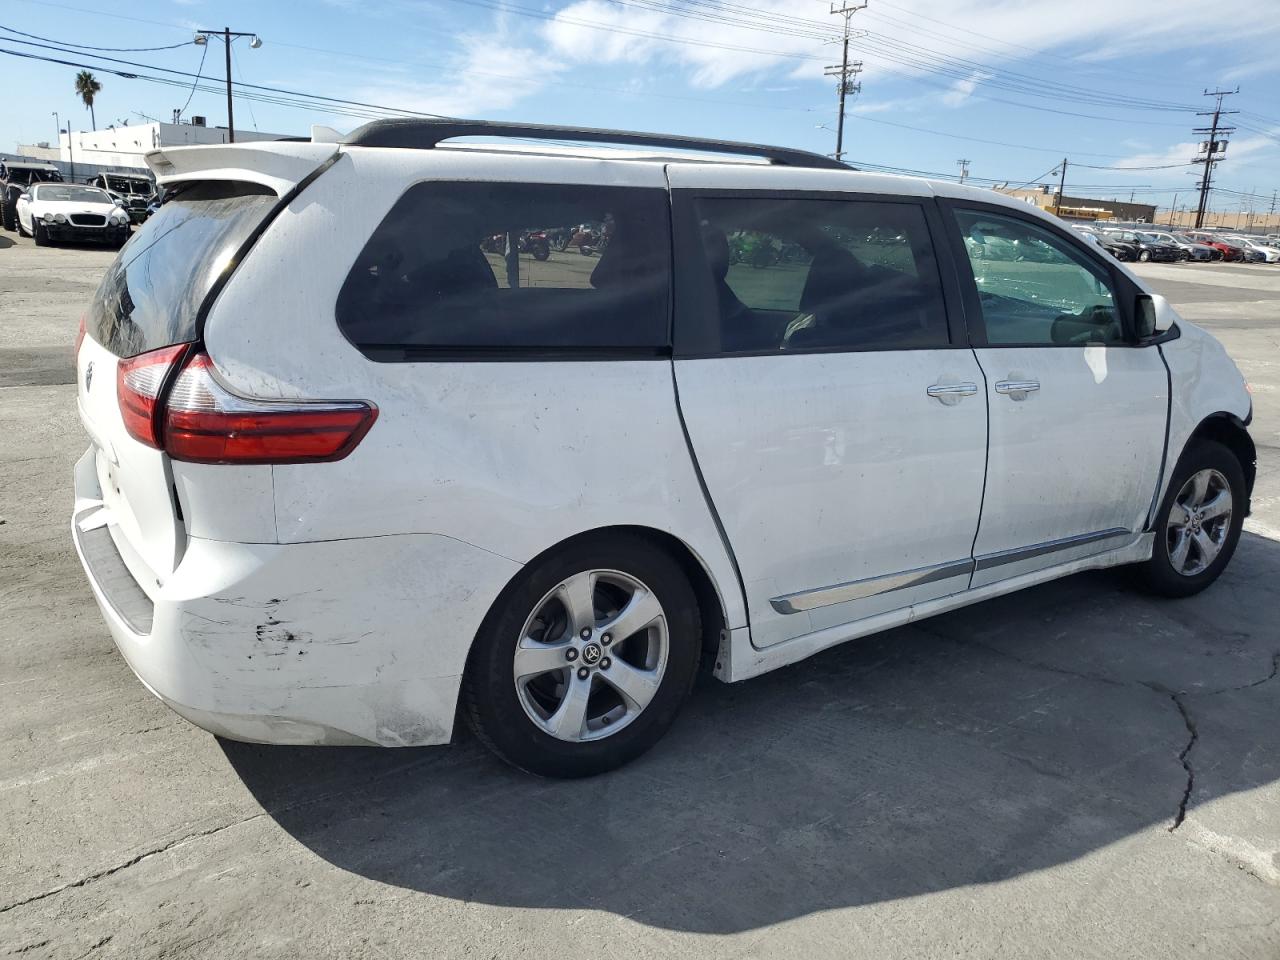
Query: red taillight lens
{"points": [[79, 337], [138, 383], [204, 422]]}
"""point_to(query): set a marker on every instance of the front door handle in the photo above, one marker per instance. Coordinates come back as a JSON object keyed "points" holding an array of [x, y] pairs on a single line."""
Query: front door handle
{"points": [[952, 393], [1017, 389]]}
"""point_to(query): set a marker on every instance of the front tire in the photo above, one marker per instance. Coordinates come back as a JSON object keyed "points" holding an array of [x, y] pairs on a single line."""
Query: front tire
{"points": [[1198, 526], [1144, 256], [585, 659], [41, 235]]}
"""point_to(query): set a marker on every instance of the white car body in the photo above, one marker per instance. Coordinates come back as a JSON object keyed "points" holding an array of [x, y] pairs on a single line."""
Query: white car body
{"points": [[819, 497], [72, 211], [1269, 254]]}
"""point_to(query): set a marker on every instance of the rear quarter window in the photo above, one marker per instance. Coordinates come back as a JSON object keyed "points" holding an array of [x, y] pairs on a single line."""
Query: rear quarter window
{"points": [[151, 295], [489, 268]]}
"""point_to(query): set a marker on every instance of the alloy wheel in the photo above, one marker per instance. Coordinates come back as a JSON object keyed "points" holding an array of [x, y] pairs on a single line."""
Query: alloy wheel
{"points": [[1199, 522], [591, 656]]}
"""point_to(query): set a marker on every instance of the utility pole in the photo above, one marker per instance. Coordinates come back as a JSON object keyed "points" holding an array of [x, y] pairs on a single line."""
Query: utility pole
{"points": [[845, 72], [1214, 149], [71, 156], [1173, 211], [964, 169], [226, 35], [1062, 185]]}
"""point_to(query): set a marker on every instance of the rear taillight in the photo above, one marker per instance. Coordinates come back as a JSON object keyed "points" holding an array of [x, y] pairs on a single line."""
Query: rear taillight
{"points": [[204, 422], [138, 383], [201, 421], [79, 337]]}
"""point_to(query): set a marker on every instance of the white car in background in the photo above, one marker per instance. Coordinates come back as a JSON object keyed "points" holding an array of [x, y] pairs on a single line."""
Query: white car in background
{"points": [[357, 470], [1255, 251], [68, 211]]}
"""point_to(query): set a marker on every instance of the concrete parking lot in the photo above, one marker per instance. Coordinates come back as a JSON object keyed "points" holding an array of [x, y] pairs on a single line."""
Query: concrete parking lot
{"points": [[1075, 771]]}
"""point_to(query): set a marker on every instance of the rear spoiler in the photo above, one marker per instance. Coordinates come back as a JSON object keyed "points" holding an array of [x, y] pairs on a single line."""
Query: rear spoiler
{"points": [[280, 165]]}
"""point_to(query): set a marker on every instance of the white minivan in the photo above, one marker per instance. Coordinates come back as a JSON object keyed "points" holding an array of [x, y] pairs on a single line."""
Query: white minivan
{"points": [[395, 428]]}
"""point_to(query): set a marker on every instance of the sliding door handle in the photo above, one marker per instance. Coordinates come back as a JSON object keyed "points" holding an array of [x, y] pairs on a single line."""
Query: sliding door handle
{"points": [[1017, 389], [952, 393]]}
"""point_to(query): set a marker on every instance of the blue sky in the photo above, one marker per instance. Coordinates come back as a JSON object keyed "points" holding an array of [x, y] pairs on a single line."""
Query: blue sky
{"points": [[1108, 83]]}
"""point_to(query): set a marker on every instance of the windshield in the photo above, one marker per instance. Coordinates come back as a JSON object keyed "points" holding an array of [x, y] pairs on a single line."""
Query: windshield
{"points": [[151, 296], [140, 187], [33, 175], [74, 194]]}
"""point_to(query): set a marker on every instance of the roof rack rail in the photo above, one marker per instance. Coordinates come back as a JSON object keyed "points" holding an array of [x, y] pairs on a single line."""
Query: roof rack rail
{"points": [[424, 134]]}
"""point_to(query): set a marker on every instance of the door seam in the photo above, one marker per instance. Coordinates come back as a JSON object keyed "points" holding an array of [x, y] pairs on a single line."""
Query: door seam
{"points": [[986, 465]]}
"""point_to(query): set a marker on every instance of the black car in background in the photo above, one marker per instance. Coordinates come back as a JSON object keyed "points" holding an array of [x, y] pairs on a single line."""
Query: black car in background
{"points": [[134, 190], [1146, 249], [1118, 248], [15, 177]]}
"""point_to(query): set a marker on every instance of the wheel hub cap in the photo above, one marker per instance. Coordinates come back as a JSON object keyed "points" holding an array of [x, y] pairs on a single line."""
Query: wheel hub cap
{"points": [[1199, 522], [564, 681]]}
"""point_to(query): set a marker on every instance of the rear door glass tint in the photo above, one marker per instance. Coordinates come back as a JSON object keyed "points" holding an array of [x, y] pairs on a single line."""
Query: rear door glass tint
{"points": [[151, 295], [491, 267], [813, 274]]}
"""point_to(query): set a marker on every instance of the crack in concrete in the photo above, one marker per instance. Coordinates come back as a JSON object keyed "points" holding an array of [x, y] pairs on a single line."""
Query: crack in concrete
{"points": [[1184, 756], [164, 848], [101, 874]]}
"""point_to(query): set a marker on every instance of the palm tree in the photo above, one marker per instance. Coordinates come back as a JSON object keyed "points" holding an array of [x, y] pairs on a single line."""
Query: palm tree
{"points": [[87, 86]]}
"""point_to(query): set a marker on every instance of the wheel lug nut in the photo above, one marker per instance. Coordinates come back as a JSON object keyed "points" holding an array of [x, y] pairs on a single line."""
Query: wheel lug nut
{"points": [[607, 639], [604, 664], [586, 633], [571, 654], [583, 673]]}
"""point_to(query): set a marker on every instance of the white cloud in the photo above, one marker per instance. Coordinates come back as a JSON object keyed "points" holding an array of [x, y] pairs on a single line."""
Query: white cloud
{"points": [[962, 90], [490, 72], [1006, 30]]}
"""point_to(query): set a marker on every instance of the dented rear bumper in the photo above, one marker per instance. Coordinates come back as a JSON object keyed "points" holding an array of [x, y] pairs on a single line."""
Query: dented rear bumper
{"points": [[358, 641]]}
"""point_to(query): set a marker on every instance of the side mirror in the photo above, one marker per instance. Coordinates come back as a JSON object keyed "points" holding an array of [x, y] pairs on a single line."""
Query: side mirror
{"points": [[1152, 315]]}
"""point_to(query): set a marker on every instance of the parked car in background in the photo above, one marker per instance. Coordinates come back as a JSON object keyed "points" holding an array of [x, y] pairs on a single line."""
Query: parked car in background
{"points": [[135, 191], [1088, 234], [1122, 250], [15, 177], [1255, 251], [1189, 249], [1148, 250], [68, 211], [543, 494], [1231, 252]]}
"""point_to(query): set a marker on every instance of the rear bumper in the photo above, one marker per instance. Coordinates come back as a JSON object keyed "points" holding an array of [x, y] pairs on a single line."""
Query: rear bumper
{"points": [[337, 642]]}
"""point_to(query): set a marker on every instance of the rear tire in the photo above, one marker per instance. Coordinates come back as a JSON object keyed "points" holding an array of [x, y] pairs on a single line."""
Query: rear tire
{"points": [[22, 232], [1194, 542], [532, 723]]}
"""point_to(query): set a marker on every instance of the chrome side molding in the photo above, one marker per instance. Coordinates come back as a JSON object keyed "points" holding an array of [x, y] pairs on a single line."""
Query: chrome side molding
{"points": [[988, 560], [860, 589], [873, 586]]}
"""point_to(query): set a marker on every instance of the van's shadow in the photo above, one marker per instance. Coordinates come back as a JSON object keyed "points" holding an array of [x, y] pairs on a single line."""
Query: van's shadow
{"points": [[974, 747]]}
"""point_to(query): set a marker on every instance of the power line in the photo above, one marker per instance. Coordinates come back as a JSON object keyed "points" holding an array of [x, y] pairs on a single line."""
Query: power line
{"points": [[177, 114], [81, 46]]}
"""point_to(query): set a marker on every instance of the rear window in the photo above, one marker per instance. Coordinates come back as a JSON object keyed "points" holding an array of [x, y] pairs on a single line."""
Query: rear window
{"points": [[151, 295], [488, 268]]}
